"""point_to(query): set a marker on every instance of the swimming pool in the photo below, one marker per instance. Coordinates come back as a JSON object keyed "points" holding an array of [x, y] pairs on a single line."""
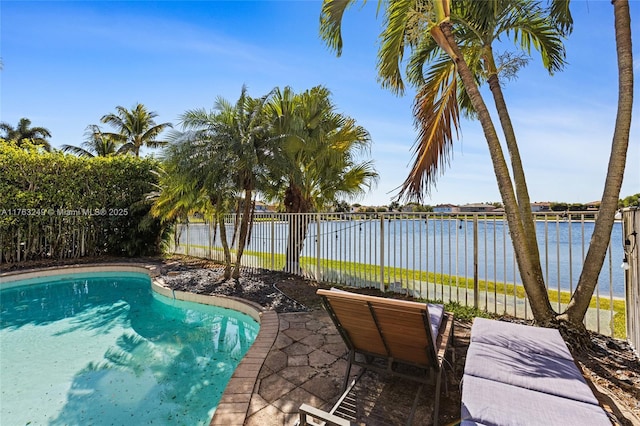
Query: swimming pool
{"points": [[104, 349]]}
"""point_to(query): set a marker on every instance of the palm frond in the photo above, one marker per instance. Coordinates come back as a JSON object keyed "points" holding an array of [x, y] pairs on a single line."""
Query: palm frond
{"points": [[436, 113], [331, 23], [76, 150], [561, 16], [424, 53], [532, 28], [392, 44]]}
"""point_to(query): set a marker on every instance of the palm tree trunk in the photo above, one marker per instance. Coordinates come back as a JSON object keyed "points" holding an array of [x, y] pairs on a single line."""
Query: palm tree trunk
{"points": [[522, 192], [225, 245], [298, 228], [533, 282], [244, 228], [295, 202], [604, 223], [236, 223]]}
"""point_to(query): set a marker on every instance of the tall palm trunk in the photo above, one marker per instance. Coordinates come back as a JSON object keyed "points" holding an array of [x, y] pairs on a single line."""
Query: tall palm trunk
{"points": [[532, 280], [295, 202], [244, 229], [522, 192], [519, 179], [604, 223]]}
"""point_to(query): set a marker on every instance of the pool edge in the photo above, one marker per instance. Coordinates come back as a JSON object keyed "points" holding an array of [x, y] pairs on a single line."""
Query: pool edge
{"points": [[234, 404]]}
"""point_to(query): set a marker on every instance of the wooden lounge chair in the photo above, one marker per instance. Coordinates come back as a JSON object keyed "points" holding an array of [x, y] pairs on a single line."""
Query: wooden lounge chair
{"points": [[387, 334]]}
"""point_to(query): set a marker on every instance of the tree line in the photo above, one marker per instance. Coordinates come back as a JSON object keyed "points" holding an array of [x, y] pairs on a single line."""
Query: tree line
{"points": [[133, 129]]}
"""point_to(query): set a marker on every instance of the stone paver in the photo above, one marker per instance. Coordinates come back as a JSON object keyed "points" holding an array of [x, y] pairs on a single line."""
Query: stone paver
{"points": [[300, 361], [323, 387], [299, 374], [297, 348], [276, 360]]}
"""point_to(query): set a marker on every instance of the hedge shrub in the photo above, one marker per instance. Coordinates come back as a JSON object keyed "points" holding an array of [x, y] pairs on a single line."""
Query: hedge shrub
{"points": [[56, 205]]}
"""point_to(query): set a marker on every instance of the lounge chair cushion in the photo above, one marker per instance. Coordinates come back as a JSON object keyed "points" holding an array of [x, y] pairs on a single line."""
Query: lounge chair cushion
{"points": [[495, 403], [435, 318], [520, 338], [551, 375]]}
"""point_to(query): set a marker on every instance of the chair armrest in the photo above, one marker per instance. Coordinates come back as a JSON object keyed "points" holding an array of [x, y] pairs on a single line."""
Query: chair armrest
{"points": [[331, 419]]}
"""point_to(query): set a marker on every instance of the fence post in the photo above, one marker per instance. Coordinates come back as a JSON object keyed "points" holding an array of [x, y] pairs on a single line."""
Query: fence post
{"points": [[211, 231], [82, 237], [318, 263], [188, 239], [382, 252], [273, 242], [475, 261]]}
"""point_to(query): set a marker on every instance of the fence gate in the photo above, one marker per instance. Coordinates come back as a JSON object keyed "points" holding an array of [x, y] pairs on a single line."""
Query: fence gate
{"points": [[631, 264]]}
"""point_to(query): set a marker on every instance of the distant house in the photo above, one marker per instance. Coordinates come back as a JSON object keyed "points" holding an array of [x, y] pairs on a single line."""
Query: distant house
{"points": [[261, 207], [446, 208], [593, 206], [540, 207], [411, 207], [477, 208]]}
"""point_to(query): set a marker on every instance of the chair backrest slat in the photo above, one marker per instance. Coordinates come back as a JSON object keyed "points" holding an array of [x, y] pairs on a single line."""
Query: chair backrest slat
{"points": [[384, 327], [354, 318]]}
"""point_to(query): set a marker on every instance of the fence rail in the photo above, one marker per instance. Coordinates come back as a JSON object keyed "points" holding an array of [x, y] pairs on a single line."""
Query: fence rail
{"points": [[466, 257]]}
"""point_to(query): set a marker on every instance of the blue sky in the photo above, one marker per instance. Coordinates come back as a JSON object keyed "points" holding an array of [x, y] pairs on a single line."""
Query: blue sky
{"points": [[66, 64]]}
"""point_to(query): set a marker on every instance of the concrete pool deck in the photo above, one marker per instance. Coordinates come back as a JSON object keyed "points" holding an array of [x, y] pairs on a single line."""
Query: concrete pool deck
{"points": [[297, 358]]}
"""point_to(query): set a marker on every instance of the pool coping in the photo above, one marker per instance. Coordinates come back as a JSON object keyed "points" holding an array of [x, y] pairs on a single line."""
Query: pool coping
{"points": [[234, 404]]}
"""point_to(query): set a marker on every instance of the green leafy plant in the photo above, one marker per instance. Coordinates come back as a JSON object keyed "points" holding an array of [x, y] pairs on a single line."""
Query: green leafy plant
{"points": [[55, 205]]}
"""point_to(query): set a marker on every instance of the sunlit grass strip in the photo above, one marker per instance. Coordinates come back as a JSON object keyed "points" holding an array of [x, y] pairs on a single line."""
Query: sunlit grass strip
{"points": [[406, 276]]}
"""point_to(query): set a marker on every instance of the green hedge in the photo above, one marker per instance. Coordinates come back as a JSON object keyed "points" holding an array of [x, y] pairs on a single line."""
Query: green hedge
{"points": [[55, 205]]}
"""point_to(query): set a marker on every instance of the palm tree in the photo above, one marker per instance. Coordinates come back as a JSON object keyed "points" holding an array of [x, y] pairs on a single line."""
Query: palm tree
{"points": [[239, 136], [196, 179], [478, 27], [457, 32], [595, 256], [440, 97], [317, 159], [176, 196], [97, 144], [23, 131], [135, 128]]}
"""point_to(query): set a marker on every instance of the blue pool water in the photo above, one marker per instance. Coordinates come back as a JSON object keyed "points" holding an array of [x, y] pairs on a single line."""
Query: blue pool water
{"points": [[107, 350]]}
